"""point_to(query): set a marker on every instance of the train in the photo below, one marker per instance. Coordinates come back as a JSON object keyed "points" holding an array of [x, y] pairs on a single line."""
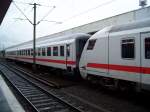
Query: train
{"points": [[116, 56]]}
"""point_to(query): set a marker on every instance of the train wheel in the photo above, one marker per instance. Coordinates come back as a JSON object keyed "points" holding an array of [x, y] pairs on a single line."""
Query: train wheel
{"points": [[126, 86]]}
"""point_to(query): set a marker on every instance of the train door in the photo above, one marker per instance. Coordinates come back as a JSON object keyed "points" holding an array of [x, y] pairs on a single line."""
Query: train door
{"points": [[145, 58], [68, 56]]}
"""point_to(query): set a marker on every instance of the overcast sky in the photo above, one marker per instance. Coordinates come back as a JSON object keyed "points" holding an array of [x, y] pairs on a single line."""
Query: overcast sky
{"points": [[71, 13]]}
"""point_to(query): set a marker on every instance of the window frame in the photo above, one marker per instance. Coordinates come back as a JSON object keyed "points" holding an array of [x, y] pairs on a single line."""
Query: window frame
{"points": [[134, 54], [93, 45], [49, 51], [39, 52], [31, 52], [62, 51], [28, 52], [145, 56], [43, 51], [54, 51]]}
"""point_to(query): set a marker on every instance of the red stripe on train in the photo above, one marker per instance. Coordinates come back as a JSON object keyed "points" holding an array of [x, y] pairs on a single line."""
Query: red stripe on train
{"points": [[50, 60], [135, 69]]}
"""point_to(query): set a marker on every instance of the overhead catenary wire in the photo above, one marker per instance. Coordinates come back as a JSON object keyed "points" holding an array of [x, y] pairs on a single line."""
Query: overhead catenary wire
{"points": [[11, 24], [46, 14], [21, 12], [32, 4]]}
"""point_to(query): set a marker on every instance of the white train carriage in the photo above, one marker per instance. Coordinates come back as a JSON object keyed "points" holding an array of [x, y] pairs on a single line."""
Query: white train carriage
{"points": [[119, 55], [60, 52]]}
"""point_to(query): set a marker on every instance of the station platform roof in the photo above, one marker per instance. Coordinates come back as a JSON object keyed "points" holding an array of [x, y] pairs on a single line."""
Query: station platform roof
{"points": [[4, 5]]}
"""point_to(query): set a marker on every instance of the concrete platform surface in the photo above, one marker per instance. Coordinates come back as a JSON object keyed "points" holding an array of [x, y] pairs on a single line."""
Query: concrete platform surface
{"points": [[8, 102]]}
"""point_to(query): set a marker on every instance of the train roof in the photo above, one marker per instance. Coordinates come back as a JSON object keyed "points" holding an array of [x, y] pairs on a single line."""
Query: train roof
{"points": [[49, 40], [122, 27], [132, 25]]}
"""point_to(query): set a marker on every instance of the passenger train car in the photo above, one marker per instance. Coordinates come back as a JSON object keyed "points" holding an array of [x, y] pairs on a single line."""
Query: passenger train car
{"points": [[60, 52], [116, 55], [119, 55]]}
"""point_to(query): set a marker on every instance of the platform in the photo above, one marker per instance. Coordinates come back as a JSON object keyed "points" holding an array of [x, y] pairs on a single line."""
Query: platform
{"points": [[8, 102]]}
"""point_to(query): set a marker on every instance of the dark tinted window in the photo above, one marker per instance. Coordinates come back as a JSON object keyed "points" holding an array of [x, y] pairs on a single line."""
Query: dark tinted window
{"points": [[128, 48], [49, 51], [147, 48], [31, 51], [39, 51], [61, 50], [91, 44], [28, 52], [43, 52], [55, 51]]}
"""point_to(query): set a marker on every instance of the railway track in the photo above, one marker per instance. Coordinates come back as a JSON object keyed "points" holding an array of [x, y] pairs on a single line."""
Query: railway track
{"points": [[39, 78], [43, 77], [41, 99]]}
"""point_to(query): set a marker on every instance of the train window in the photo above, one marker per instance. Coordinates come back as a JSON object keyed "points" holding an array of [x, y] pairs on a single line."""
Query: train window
{"points": [[55, 51], [31, 52], [128, 48], [39, 51], [28, 52], [68, 50], [43, 52], [91, 44], [49, 51], [147, 48], [61, 50]]}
